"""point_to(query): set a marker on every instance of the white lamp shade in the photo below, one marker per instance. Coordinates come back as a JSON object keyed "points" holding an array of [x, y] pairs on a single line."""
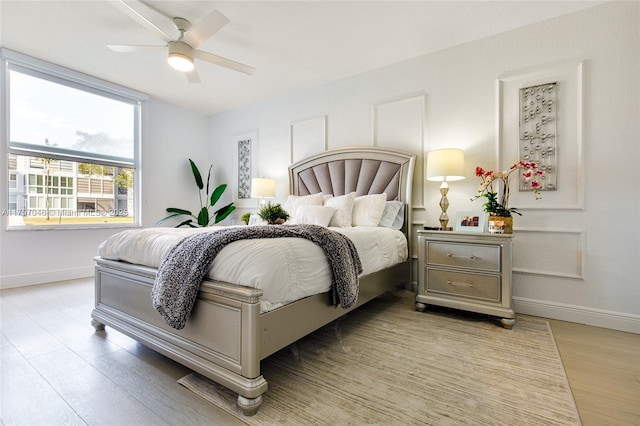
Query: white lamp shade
{"points": [[445, 165], [263, 188]]}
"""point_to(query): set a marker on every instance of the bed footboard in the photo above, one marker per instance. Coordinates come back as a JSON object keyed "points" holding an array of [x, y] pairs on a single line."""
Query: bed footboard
{"points": [[220, 341], [226, 336]]}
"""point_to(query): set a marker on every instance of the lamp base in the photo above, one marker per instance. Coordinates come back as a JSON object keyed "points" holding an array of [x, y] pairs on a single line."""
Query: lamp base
{"points": [[444, 205]]}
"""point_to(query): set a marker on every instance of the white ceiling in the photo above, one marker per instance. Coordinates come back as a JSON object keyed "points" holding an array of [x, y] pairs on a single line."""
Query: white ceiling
{"points": [[292, 44]]}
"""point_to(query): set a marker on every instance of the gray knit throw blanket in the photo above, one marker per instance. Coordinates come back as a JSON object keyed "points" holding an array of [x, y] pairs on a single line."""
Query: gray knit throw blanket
{"points": [[181, 272]]}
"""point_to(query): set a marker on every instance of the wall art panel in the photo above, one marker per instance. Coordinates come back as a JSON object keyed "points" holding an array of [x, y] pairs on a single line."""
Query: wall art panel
{"points": [[554, 128], [245, 155]]}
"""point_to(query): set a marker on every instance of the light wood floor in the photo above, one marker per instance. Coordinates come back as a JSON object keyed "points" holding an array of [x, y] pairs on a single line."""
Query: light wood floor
{"points": [[56, 370]]}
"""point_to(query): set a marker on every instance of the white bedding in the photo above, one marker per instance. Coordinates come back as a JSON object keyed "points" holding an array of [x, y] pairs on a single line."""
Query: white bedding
{"points": [[285, 269]]}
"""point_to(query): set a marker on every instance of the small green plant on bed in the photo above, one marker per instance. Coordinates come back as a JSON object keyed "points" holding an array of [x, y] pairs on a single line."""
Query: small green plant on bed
{"points": [[208, 200], [245, 218], [274, 214]]}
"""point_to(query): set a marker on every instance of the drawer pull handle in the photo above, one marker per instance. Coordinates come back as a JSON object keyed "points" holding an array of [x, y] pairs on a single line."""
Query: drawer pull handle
{"points": [[470, 285], [472, 257]]}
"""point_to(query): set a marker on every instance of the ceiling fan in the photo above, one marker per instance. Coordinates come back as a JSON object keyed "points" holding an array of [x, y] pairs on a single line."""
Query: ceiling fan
{"points": [[182, 51]]}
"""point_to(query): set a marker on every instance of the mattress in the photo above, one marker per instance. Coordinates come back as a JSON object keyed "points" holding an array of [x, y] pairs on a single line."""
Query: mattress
{"points": [[285, 269]]}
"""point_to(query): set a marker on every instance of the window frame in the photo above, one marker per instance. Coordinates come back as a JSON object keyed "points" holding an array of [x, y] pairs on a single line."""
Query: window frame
{"points": [[14, 61]]}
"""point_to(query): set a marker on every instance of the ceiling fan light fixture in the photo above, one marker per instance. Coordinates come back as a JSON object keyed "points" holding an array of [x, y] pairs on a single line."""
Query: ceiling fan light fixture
{"points": [[180, 56], [180, 62]]}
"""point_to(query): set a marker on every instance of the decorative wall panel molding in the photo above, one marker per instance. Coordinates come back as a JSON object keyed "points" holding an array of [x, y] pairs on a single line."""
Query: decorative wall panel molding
{"points": [[564, 257], [569, 169], [308, 137], [400, 124]]}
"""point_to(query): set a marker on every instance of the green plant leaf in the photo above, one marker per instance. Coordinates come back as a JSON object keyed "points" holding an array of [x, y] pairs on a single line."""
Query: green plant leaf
{"points": [[196, 174], [215, 196], [179, 211], [222, 213], [203, 217], [167, 218], [208, 178], [188, 222]]}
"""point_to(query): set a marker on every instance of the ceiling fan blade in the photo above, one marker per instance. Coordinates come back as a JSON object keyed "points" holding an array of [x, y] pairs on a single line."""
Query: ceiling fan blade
{"points": [[193, 76], [224, 62], [142, 20], [205, 29], [123, 48]]}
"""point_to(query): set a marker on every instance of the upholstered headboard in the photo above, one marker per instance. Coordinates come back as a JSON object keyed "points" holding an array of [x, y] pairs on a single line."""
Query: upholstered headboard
{"points": [[363, 169]]}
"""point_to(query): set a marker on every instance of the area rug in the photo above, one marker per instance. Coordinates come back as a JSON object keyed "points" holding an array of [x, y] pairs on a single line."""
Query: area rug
{"points": [[387, 364]]}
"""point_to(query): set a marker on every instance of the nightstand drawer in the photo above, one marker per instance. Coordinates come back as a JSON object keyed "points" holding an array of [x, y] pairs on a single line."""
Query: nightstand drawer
{"points": [[484, 287], [474, 256]]}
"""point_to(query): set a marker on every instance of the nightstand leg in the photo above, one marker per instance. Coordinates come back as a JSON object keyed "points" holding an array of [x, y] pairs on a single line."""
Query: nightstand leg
{"points": [[508, 322], [421, 307]]}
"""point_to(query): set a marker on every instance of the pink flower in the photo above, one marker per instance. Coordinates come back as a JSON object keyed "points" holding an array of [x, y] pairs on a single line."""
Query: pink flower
{"points": [[529, 173]]}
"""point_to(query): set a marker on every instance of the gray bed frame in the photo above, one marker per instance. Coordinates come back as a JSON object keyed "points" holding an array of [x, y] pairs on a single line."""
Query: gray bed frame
{"points": [[226, 336]]}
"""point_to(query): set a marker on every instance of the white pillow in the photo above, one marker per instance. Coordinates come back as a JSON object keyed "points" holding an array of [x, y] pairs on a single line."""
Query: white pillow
{"points": [[393, 215], [368, 209], [343, 205], [295, 201], [313, 215]]}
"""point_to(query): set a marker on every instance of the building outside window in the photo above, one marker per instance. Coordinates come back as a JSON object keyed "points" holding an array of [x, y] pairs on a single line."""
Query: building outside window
{"points": [[73, 145]]}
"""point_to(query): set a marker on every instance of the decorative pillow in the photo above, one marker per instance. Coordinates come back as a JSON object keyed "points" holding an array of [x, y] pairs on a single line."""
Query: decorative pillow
{"points": [[343, 205], [393, 215], [295, 201], [368, 209], [313, 215]]}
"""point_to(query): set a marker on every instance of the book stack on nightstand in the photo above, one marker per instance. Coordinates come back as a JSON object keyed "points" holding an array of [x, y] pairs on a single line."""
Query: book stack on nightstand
{"points": [[468, 271]]}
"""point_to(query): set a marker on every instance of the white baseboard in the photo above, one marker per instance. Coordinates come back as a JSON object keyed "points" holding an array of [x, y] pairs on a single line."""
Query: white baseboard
{"points": [[25, 280], [579, 314]]}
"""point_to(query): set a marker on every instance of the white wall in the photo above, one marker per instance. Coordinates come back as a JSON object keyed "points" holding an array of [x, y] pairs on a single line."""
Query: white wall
{"points": [[577, 250], [172, 135]]}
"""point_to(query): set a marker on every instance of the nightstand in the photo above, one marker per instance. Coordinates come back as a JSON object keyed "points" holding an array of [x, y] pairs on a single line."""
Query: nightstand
{"points": [[468, 271]]}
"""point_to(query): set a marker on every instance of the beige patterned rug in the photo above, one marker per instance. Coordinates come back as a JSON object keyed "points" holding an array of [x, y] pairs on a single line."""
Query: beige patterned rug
{"points": [[386, 364]]}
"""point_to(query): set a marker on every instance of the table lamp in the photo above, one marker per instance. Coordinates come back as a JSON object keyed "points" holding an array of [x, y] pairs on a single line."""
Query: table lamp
{"points": [[263, 188], [445, 165]]}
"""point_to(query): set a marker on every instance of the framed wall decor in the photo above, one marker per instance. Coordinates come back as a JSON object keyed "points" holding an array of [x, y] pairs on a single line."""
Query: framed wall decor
{"points": [[561, 124], [538, 142], [470, 221], [246, 153], [254, 219]]}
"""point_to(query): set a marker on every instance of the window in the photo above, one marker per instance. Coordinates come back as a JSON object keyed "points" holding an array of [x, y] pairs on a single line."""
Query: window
{"points": [[13, 180], [72, 149]]}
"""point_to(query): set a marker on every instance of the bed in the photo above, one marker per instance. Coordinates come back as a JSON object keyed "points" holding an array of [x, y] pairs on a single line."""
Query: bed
{"points": [[229, 331]]}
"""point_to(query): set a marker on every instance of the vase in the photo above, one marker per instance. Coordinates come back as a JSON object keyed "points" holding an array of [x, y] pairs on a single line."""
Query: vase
{"points": [[501, 225]]}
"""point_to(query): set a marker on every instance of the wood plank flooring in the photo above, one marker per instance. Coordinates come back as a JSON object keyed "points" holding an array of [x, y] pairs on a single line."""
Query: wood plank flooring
{"points": [[56, 370]]}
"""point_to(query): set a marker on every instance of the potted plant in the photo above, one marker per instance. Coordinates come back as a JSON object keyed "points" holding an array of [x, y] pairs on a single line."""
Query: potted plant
{"points": [[205, 216], [274, 214], [500, 214], [245, 218]]}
